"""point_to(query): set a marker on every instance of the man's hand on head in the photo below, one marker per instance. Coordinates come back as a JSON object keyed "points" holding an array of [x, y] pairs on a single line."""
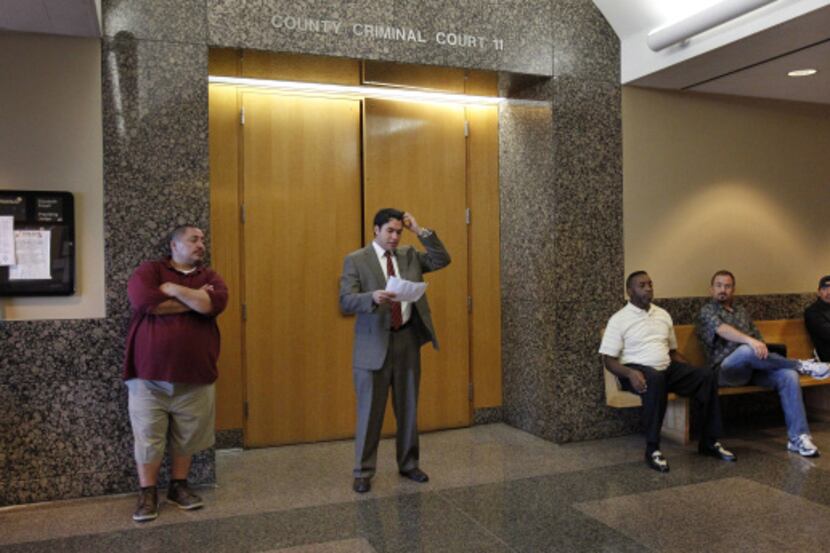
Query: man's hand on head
{"points": [[410, 223]]}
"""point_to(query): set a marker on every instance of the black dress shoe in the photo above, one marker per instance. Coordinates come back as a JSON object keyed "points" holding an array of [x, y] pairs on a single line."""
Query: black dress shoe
{"points": [[657, 462], [717, 451], [416, 475], [362, 485]]}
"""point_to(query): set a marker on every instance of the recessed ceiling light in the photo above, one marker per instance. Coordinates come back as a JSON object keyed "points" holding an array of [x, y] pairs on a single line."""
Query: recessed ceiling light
{"points": [[802, 72]]}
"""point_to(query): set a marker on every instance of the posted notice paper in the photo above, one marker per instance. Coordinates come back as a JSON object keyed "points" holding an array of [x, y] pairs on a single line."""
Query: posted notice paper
{"points": [[6, 240], [405, 290], [32, 251]]}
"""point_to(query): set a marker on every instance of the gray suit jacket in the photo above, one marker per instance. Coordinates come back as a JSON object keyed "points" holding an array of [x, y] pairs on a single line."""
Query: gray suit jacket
{"points": [[362, 275]]}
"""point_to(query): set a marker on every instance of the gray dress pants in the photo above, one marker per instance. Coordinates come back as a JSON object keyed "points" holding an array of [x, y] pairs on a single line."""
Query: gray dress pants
{"points": [[401, 371]]}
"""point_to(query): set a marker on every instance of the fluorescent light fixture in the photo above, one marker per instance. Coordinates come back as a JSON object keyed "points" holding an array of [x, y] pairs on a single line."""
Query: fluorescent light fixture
{"points": [[362, 91], [802, 72], [717, 14]]}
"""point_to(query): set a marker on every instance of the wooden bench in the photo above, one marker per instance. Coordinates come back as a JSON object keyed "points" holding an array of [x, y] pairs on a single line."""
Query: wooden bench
{"points": [[676, 423]]}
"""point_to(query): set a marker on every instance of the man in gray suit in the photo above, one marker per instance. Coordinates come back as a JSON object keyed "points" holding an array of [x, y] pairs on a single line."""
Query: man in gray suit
{"points": [[388, 338]]}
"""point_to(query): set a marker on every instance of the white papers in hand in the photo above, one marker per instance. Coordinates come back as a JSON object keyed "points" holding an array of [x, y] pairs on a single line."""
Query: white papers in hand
{"points": [[405, 290]]}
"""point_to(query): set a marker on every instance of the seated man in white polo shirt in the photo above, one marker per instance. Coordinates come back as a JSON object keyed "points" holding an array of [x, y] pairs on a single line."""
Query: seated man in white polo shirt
{"points": [[640, 347]]}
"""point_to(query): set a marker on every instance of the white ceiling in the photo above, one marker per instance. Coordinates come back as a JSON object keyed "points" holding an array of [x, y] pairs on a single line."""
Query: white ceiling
{"points": [[54, 17], [749, 56]]}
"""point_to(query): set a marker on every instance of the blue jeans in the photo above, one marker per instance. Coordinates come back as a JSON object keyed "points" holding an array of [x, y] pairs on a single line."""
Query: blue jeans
{"points": [[742, 367]]}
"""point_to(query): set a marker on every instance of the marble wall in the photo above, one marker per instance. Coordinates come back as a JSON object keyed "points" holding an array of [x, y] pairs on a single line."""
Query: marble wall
{"points": [[64, 429], [562, 258], [522, 25]]}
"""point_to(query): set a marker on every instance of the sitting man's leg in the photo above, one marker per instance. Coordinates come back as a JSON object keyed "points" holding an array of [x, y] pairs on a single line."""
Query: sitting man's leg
{"points": [[736, 369], [701, 385], [786, 383], [744, 358], [655, 400]]}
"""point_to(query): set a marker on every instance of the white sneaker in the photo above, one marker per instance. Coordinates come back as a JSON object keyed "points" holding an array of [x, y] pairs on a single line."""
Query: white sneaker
{"points": [[804, 446], [816, 369]]}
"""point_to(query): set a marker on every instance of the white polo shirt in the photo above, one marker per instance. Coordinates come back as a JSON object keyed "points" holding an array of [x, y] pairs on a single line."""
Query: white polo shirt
{"points": [[640, 337]]}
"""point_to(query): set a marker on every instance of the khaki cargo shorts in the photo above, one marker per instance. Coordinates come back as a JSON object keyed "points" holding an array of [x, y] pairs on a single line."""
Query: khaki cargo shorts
{"points": [[181, 414]]}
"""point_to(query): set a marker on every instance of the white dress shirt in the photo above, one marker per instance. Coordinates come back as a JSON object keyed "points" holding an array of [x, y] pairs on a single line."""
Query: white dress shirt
{"points": [[406, 307]]}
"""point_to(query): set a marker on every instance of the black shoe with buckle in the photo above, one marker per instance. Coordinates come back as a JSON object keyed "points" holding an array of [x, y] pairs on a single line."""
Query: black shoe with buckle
{"points": [[148, 505], [656, 461], [717, 451], [362, 484], [180, 494], [416, 475]]}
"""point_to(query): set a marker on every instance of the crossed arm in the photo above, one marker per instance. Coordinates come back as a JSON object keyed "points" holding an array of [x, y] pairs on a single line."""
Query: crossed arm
{"points": [[150, 295], [184, 299]]}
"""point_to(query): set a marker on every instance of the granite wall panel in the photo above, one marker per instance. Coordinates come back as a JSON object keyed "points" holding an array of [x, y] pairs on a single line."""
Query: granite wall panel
{"points": [[64, 428], [522, 25], [526, 176], [161, 20], [583, 47], [554, 387], [528, 364], [761, 307]]}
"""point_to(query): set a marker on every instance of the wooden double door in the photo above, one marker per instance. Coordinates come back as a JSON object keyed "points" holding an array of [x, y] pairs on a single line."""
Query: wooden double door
{"points": [[313, 171]]}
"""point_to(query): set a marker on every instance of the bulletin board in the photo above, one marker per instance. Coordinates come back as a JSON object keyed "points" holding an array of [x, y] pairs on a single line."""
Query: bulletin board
{"points": [[40, 229]]}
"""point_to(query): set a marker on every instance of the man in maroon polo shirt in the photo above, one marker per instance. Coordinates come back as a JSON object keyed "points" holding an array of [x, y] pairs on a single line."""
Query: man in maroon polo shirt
{"points": [[170, 365]]}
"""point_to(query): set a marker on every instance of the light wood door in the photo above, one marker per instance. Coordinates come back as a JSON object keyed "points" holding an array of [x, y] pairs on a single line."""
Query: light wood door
{"points": [[224, 248], [302, 199], [414, 160], [485, 287]]}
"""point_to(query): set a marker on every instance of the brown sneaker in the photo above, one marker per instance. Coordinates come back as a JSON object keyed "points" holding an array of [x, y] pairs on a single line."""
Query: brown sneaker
{"points": [[181, 495], [148, 505]]}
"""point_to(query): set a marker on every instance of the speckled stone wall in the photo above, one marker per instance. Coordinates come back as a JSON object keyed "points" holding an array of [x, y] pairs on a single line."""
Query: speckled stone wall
{"points": [[562, 248], [64, 428], [522, 25]]}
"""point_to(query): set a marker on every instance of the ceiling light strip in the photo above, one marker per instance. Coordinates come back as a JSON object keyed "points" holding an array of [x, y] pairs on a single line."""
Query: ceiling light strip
{"points": [[802, 72], [365, 91], [706, 19]]}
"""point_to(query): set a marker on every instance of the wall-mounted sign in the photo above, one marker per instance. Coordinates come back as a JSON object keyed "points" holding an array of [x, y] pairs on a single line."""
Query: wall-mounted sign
{"points": [[37, 230], [514, 36], [373, 31]]}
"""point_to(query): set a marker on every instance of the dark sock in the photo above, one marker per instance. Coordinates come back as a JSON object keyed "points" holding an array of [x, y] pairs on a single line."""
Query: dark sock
{"points": [[182, 482], [651, 447]]}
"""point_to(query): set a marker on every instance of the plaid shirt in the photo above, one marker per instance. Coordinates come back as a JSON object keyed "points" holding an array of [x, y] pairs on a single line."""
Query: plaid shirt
{"points": [[711, 316]]}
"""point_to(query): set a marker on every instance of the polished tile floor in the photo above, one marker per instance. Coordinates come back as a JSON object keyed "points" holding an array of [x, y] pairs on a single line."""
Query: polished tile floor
{"points": [[492, 488]]}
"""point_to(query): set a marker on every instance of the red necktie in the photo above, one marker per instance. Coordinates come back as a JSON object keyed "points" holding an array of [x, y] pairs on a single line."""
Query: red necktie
{"points": [[397, 314]]}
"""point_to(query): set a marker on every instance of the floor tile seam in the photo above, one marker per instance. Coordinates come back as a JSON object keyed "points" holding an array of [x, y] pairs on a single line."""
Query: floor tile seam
{"points": [[478, 524], [779, 488], [58, 503], [209, 519], [104, 534]]}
